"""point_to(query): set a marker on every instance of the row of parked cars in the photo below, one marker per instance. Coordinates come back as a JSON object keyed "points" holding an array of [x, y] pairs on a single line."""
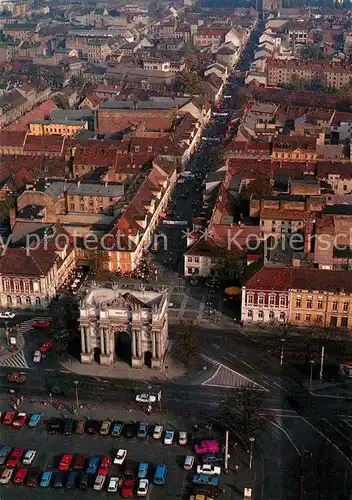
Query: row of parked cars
{"points": [[18, 420]]}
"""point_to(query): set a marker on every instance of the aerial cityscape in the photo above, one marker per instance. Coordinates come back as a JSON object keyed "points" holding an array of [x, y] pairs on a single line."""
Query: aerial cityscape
{"points": [[176, 249]]}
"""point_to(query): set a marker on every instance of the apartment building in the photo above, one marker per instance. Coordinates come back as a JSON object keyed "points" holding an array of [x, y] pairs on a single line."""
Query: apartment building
{"points": [[97, 51], [65, 128]]}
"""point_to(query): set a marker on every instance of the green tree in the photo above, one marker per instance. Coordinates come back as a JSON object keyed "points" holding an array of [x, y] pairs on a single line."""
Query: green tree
{"points": [[257, 187], [243, 95], [228, 262], [64, 315], [193, 84], [187, 345], [98, 260], [5, 206], [242, 411]]}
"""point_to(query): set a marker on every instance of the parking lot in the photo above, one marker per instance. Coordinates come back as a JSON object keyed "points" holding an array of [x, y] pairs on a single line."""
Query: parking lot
{"points": [[50, 448]]}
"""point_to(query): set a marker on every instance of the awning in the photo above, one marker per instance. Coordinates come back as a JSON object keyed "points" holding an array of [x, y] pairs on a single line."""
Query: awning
{"points": [[232, 290]]}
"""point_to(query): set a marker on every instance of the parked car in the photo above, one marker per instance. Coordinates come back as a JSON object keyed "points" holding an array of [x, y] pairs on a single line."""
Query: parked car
{"points": [[143, 486], [169, 437], [68, 427], [37, 357], [211, 458], [15, 457], [120, 457], [182, 437], [209, 470], [41, 323], [142, 430], [46, 346], [79, 462], [158, 431], [55, 426], [7, 315], [17, 377], [65, 462], [130, 468], [99, 482], [9, 417], [92, 426], [143, 470], [93, 465], [113, 484], [105, 427], [129, 430], [105, 466], [71, 480], [117, 429], [127, 488], [34, 419], [204, 479], [81, 425], [19, 421], [6, 476], [145, 398], [58, 480], [160, 474], [4, 453], [32, 479], [46, 479], [83, 484], [20, 475], [189, 462], [29, 457], [206, 446]]}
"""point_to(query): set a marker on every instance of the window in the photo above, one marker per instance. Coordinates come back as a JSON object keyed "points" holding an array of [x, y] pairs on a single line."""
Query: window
{"points": [[272, 300], [37, 301], [297, 316], [335, 305], [9, 300], [72, 206], [320, 302], [344, 322], [7, 285], [28, 300], [17, 286], [298, 301], [308, 317], [189, 259], [250, 300], [250, 314], [309, 303], [283, 301], [260, 300], [260, 315], [18, 300], [150, 149], [271, 315], [345, 306], [136, 149], [282, 316], [36, 286], [196, 259], [213, 261], [319, 319]]}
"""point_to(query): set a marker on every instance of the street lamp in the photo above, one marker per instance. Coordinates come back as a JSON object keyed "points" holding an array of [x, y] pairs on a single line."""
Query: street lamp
{"points": [[251, 440], [312, 363], [76, 392], [282, 352]]}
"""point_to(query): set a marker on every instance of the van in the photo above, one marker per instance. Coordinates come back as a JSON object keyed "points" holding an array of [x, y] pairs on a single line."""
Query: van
{"points": [[143, 470], [99, 482], [160, 474], [189, 462], [207, 446]]}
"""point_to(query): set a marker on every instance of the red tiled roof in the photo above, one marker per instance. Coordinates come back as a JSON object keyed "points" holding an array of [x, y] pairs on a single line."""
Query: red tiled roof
{"points": [[292, 142], [285, 278], [14, 139], [39, 113], [343, 170], [340, 116], [51, 143]]}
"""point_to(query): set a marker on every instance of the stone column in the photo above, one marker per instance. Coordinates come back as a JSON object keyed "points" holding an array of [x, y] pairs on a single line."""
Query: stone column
{"points": [[158, 350], [87, 337], [153, 344], [107, 341], [102, 343], [83, 340], [139, 336]]}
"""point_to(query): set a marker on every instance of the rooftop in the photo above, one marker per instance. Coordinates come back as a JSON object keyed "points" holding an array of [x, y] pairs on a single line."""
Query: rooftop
{"points": [[54, 189], [123, 298]]}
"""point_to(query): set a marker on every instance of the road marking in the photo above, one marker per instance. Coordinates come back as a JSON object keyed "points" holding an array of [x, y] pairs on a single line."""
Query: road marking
{"points": [[278, 385], [211, 378], [215, 345], [249, 366], [230, 354], [337, 430], [282, 429], [328, 439], [348, 423]]}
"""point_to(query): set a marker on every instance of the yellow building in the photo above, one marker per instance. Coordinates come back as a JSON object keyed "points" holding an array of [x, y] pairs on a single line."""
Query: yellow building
{"points": [[57, 127]]}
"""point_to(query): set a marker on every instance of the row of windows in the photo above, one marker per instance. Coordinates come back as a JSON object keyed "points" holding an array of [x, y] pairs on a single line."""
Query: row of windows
{"points": [[320, 304], [197, 260], [272, 300], [21, 300], [17, 286], [261, 315]]}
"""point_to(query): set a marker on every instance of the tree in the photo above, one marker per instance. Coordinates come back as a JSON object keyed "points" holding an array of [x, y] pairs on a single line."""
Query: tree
{"points": [[187, 341], [242, 412], [98, 260], [5, 206], [243, 95], [257, 187], [64, 316], [193, 84], [228, 262]]}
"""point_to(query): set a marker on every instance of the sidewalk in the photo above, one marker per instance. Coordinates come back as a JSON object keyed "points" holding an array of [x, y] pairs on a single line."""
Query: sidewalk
{"points": [[337, 390], [175, 370], [5, 352]]}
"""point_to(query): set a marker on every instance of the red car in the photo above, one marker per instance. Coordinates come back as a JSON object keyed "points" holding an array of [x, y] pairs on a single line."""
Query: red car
{"points": [[9, 417], [17, 377], [41, 323], [20, 476], [46, 346], [79, 462], [19, 421], [65, 462], [15, 457], [127, 488], [105, 466]]}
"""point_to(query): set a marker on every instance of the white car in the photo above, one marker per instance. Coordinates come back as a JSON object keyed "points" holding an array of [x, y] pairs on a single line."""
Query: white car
{"points": [[158, 431], [145, 398], [120, 457], [113, 485], [169, 437], [143, 486], [37, 357], [182, 437], [7, 315], [209, 470], [6, 476], [29, 457]]}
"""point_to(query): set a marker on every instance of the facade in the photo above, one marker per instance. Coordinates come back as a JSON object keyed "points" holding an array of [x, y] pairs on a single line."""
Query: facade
{"points": [[123, 323], [30, 277], [64, 128], [97, 51], [302, 297]]}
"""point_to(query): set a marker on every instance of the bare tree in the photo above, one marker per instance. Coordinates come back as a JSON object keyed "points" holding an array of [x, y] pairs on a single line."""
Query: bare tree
{"points": [[187, 341]]}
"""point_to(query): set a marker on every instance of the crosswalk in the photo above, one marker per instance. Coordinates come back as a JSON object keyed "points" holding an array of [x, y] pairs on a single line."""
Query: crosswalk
{"points": [[17, 360]]}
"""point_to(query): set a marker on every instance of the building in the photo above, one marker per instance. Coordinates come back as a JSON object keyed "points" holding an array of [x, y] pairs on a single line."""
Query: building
{"points": [[302, 297], [30, 277], [132, 325], [64, 127], [208, 36], [97, 51], [294, 148], [271, 6], [335, 75]]}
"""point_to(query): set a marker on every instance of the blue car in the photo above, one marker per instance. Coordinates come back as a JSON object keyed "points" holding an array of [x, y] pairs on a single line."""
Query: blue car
{"points": [[211, 458], [58, 480], [35, 419], [71, 480], [142, 470], [204, 479], [45, 479], [93, 465]]}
